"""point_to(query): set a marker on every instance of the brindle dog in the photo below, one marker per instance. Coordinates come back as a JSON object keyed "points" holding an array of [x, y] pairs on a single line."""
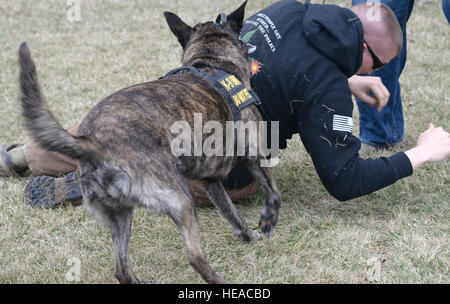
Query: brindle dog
{"points": [[124, 144]]}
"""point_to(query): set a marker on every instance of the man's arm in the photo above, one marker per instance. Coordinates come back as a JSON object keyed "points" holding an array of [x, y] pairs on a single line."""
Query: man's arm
{"points": [[433, 144], [325, 127]]}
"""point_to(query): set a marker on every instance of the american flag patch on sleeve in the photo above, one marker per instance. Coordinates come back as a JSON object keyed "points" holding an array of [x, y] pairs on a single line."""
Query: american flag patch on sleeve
{"points": [[342, 123]]}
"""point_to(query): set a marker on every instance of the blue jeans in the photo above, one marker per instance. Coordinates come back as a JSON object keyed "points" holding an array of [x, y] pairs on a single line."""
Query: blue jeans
{"points": [[381, 129], [446, 9]]}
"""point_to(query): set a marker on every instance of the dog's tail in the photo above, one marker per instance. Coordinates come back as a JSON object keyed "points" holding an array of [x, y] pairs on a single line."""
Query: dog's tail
{"points": [[41, 123]]}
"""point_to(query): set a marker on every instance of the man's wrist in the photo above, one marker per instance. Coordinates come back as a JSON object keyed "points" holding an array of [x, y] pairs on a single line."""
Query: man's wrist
{"points": [[417, 156]]}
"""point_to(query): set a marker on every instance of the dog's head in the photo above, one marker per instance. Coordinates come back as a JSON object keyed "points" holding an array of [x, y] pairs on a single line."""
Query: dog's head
{"points": [[213, 44]]}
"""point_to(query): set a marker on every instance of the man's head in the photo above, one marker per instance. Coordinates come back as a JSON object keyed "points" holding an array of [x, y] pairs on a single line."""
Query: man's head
{"points": [[383, 36]]}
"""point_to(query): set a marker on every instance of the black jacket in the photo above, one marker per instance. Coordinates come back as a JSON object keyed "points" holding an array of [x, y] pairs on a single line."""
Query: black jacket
{"points": [[305, 54]]}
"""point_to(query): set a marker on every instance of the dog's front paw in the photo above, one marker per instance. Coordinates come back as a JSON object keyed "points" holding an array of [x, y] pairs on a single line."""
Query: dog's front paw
{"points": [[250, 236], [254, 235], [269, 219]]}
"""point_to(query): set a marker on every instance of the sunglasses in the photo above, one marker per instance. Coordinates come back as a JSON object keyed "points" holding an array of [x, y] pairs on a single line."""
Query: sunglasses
{"points": [[377, 64]]}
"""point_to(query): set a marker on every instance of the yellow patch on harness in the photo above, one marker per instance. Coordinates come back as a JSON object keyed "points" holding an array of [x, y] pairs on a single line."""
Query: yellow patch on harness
{"points": [[240, 97], [230, 82]]}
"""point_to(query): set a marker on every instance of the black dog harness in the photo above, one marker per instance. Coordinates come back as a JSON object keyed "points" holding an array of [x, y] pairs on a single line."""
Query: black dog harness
{"points": [[234, 91]]}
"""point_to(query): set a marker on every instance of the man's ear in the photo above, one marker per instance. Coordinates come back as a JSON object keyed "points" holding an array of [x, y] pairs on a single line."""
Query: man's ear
{"points": [[236, 18], [179, 28]]}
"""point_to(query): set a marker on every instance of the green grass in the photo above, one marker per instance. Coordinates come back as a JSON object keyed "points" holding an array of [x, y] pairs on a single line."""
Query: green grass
{"points": [[317, 240]]}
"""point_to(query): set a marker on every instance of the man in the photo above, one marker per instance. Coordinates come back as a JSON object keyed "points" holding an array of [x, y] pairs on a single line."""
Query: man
{"points": [[304, 58], [305, 54]]}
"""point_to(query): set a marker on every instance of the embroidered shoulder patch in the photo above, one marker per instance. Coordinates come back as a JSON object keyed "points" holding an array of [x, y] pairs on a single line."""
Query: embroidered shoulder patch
{"points": [[342, 123]]}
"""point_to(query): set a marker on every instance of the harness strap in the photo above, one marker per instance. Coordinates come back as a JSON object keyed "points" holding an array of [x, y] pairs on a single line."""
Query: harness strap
{"points": [[234, 91], [220, 20]]}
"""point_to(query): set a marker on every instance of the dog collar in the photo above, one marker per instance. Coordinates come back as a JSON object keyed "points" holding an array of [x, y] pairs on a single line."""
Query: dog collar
{"points": [[234, 91]]}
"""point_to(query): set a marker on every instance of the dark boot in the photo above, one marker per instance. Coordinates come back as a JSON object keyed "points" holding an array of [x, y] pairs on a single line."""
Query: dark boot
{"points": [[12, 160], [51, 192]]}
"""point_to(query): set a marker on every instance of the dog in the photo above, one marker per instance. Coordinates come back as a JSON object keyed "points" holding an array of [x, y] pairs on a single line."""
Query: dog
{"points": [[124, 143]]}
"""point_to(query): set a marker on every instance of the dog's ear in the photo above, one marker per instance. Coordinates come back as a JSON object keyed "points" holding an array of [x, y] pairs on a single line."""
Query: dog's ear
{"points": [[236, 18], [179, 28]]}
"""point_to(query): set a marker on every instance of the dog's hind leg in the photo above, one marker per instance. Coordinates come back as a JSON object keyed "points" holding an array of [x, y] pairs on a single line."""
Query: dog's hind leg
{"points": [[118, 220], [184, 215], [222, 201], [121, 230], [270, 212]]}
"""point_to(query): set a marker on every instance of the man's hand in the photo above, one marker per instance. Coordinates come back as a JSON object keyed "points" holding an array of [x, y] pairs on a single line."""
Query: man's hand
{"points": [[433, 145], [362, 86]]}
